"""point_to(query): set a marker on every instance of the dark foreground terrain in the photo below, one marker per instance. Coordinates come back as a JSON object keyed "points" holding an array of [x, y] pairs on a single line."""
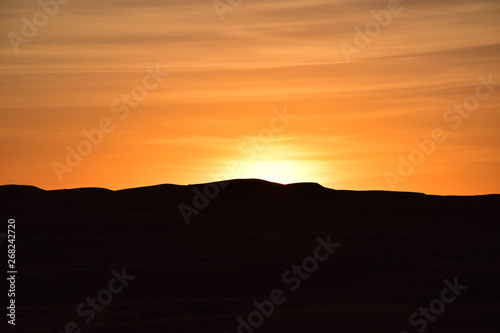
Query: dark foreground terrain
{"points": [[126, 261]]}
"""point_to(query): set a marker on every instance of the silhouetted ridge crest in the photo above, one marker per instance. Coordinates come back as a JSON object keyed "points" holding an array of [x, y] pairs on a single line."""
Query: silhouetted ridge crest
{"points": [[155, 190]]}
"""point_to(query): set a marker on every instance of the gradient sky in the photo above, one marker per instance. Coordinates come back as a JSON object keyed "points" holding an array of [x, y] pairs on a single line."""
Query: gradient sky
{"points": [[226, 79]]}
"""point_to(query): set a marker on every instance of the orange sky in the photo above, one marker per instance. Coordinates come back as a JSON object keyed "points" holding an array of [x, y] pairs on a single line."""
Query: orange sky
{"points": [[228, 79]]}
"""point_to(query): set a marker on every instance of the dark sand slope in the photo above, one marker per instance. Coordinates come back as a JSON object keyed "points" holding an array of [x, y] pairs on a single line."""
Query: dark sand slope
{"points": [[396, 249]]}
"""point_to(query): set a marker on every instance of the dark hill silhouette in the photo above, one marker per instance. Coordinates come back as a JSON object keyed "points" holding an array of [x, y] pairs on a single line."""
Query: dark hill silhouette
{"points": [[396, 251]]}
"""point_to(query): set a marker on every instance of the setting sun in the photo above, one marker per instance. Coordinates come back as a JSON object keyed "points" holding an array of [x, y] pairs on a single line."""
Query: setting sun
{"points": [[283, 172]]}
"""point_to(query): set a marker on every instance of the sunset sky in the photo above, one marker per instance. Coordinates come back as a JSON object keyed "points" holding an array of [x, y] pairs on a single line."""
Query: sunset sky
{"points": [[351, 116]]}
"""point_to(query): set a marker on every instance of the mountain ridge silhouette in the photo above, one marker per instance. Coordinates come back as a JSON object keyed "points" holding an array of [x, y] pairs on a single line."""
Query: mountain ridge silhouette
{"points": [[396, 250], [254, 183]]}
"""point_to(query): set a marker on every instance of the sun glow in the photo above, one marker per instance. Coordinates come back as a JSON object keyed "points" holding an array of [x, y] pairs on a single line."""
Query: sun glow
{"points": [[284, 172]]}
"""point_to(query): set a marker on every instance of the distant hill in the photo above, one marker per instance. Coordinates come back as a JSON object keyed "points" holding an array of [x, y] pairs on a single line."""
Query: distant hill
{"points": [[396, 249]]}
